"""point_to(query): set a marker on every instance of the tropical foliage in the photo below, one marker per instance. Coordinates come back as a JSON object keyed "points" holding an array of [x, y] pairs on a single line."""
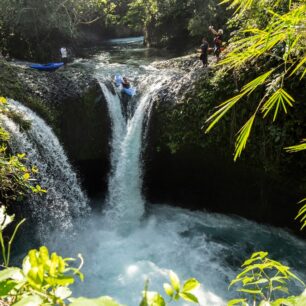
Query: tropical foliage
{"points": [[282, 43], [34, 26], [265, 282], [174, 23], [278, 45], [32, 29]]}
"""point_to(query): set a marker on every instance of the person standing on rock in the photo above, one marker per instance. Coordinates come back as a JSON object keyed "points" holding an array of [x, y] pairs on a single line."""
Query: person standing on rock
{"points": [[204, 52], [217, 41], [64, 55]]}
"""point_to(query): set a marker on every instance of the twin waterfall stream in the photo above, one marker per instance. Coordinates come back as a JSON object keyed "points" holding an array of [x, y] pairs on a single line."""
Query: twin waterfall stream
{"points": [[132, 241]]}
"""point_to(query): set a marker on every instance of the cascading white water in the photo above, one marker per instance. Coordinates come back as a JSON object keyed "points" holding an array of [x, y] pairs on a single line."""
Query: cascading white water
{"points": [[125, 202], [64, 199]]}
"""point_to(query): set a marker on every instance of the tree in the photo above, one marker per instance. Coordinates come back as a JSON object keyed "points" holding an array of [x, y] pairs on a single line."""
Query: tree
{"points": [[174, 22], [35, 27]]}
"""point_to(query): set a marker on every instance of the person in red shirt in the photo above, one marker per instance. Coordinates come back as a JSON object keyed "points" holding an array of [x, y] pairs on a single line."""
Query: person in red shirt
{"points": [[217, 41]]}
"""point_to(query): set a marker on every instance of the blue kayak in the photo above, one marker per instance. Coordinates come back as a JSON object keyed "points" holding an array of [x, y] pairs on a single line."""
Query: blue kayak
{"points": [[47, 67], [129, 91]]}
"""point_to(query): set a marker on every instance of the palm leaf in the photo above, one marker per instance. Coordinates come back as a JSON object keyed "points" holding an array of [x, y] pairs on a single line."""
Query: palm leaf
{"points": [[298, 66], [297, 148], [223, 109], [251, 86], [302, 214], [278, 100], [243, 136]]}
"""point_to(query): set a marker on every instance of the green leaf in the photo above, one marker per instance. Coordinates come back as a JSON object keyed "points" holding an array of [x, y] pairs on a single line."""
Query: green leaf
{"points": [[278, 100], [250, 291], [243, 136], [189, 297], [60, 280], [175, 281], [221, 111], [237, 301], [6, 286], [151, 298], [298, 66], [168, 289], [190, 285], [297, 148]]}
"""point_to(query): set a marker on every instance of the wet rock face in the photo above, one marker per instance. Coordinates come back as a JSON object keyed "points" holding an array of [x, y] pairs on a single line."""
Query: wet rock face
{"points": [[186, 71]]}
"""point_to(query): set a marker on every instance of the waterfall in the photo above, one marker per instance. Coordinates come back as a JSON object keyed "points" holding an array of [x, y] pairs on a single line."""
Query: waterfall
{"points": [[125, 203], [64, 199]]}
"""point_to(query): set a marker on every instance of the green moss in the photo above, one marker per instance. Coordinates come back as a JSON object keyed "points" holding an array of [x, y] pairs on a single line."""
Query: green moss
{"points": [[19, 119], [37, 105]]}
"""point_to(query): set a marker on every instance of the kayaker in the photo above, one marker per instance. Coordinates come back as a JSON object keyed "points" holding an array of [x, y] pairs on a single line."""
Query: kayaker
{"points": [[64, 55], [204, 52], [217, 41], [125, 83]]}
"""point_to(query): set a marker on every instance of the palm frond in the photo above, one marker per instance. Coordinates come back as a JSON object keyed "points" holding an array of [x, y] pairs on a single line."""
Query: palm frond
{"points": [[297, 148], [302, 214], [243, 136], [224, 107], [251, 86], [298, 66], [278, 100]]}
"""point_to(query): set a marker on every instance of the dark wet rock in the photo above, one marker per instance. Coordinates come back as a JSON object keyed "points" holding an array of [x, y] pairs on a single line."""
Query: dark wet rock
{"points": [[71, 101], [186, 63], [187, 70]]}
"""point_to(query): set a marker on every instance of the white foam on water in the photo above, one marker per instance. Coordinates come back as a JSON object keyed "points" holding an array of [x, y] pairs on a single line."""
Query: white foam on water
{"points": [[125, 203]]}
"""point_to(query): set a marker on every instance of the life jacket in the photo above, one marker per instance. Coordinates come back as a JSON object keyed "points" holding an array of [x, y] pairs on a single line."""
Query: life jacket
{"points": [[218, 41]]}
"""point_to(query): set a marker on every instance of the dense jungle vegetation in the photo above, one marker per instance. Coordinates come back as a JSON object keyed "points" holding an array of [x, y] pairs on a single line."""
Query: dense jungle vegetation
{"points": [[260, 83]]}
